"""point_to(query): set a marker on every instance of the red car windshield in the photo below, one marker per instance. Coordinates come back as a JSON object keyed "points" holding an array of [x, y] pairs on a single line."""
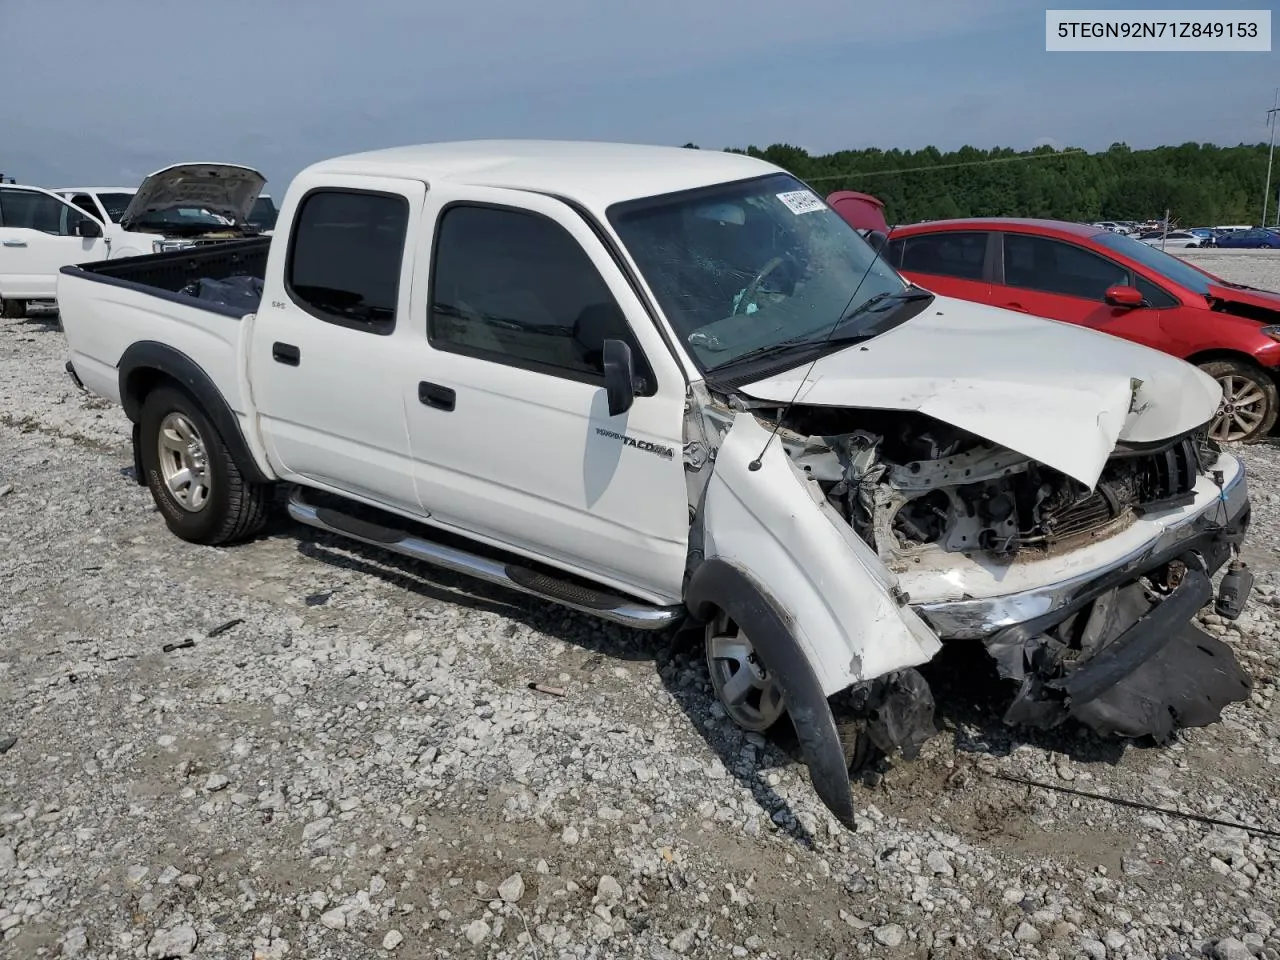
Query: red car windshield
{"points": [[1165, 264]]}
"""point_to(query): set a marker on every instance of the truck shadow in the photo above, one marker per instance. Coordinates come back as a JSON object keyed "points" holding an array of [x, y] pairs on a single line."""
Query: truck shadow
{"points": [[676, 658], [971, 700]]}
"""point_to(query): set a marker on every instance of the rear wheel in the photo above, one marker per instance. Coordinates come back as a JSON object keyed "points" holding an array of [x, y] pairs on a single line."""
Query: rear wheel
{"points": [[13, 309], [1250, 402], [200, 491]]}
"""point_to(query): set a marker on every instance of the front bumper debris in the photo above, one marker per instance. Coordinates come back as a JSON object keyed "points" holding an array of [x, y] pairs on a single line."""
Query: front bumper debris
{"points": [[1129, 664], [1117, 649]]}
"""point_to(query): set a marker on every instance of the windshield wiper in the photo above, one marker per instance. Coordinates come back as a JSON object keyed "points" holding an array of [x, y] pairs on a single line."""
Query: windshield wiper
{"points": [[807, 340], [902, 296], [794, 345]]}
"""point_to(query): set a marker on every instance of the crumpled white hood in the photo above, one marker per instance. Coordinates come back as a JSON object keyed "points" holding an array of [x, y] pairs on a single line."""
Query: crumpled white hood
{"points": [[227, 189], [1055, 392]]}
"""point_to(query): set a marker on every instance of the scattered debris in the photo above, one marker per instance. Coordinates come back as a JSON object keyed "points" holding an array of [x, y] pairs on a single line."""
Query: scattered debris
{"points": [[180, 645], [543, 688], [224, 627]]}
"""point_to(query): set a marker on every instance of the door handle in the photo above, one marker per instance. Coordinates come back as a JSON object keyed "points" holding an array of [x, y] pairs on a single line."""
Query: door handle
{"points": [[15, 243], [286, 353], [434, 395]]}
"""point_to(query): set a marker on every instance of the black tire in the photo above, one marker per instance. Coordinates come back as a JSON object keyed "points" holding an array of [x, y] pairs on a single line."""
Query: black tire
{"points": [[860, 752], [1233, 371], [13, 309], [234, 508]]}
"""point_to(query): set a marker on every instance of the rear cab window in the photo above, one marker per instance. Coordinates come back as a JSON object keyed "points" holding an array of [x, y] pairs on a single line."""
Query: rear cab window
{"points": [[345, 257]]}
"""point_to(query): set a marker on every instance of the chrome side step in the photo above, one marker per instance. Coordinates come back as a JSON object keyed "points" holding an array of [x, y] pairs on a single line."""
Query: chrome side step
{"points": [[617, 609]]}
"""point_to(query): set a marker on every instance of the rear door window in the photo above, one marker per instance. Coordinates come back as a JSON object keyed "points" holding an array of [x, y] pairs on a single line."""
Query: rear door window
{"points": [[345, 257]]}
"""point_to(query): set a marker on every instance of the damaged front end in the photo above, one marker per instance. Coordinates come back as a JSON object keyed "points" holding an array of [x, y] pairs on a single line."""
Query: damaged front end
{"points": [[1084, 596]]}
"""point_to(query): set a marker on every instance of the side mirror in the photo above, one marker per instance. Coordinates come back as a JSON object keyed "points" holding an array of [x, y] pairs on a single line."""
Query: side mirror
{"points": [[1126, 297], [619, 376], [85, 227]]}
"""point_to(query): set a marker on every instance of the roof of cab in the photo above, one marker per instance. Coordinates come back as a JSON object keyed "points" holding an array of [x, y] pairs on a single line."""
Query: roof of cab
{"points": [[597, 174]]}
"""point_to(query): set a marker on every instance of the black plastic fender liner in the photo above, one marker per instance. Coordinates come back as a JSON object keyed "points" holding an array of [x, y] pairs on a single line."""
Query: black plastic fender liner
{"points": [[718, 583], [146, 358], [139, 475]]}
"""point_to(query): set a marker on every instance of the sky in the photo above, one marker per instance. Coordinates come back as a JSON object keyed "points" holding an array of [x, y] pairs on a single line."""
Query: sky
{"points": [[105, 93]]}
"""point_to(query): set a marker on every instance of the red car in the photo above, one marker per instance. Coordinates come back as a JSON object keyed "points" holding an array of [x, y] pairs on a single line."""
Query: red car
{"points": [[1116, 284]]}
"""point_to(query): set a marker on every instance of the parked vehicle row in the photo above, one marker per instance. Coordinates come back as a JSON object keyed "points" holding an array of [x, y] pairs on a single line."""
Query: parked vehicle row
{"points": [[175, 208], [1257, 238], [673, 387]]}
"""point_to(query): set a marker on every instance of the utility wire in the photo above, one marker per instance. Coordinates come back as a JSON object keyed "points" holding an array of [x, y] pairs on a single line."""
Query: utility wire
{"points": [[1138, 805]]}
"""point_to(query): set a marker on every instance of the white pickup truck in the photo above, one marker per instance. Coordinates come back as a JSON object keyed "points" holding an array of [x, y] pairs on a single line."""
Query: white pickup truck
{"points": [[667, 386]]}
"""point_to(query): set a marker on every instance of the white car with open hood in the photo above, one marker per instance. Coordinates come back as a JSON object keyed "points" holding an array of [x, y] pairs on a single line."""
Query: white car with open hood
{"points": [[185, 204], [673, 387], [181, 206], [193, 204]]}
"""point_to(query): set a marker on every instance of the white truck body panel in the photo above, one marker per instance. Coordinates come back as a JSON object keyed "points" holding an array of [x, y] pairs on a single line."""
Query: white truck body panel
{"points": [[775, 523], [338, 418], [563, 478]]}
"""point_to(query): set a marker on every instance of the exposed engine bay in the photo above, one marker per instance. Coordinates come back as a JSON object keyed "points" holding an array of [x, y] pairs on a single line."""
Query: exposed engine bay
{"points": [[909, 484]]}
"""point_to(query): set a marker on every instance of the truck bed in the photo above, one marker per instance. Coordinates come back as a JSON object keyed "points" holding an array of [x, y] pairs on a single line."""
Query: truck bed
{"points": [[168, 273], [108, 306]]}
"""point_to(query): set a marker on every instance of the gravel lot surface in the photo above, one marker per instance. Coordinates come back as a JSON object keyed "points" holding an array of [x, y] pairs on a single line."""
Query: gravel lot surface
{"points": [[348, 762]]}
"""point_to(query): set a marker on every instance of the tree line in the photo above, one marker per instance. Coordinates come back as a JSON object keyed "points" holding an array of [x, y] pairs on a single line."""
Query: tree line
{"points": [[1200, 183]]}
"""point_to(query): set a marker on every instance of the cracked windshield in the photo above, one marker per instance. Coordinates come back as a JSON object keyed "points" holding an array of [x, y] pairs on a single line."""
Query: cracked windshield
{"points": [[742, 269]]}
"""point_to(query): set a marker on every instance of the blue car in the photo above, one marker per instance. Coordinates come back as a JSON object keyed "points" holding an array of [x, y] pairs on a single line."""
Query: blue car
{"points": [[1257, 238]]}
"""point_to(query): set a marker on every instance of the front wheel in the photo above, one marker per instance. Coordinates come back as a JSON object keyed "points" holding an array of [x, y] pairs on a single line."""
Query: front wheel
{"points": [[740, 678], [1250, 402], [200, 491]]}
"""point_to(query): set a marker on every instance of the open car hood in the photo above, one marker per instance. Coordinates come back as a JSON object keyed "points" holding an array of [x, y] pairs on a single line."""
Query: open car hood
{"points": [[1060, 394], [227, 189]]}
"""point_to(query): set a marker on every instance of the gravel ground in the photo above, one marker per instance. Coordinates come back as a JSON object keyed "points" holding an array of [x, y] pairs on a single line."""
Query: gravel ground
{"points": [[348, 762]]}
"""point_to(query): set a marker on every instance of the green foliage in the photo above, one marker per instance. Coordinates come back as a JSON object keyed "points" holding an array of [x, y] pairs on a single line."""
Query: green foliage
{"points": [[1201, 184]]}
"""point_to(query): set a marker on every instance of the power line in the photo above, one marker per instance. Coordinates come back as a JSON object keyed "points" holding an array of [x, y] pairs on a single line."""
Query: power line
{"points": [[949, 166]]}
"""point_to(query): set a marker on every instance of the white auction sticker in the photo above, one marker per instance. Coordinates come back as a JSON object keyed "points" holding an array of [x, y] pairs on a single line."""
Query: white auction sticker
{"points": [[1137, 31], [801, 201]]}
